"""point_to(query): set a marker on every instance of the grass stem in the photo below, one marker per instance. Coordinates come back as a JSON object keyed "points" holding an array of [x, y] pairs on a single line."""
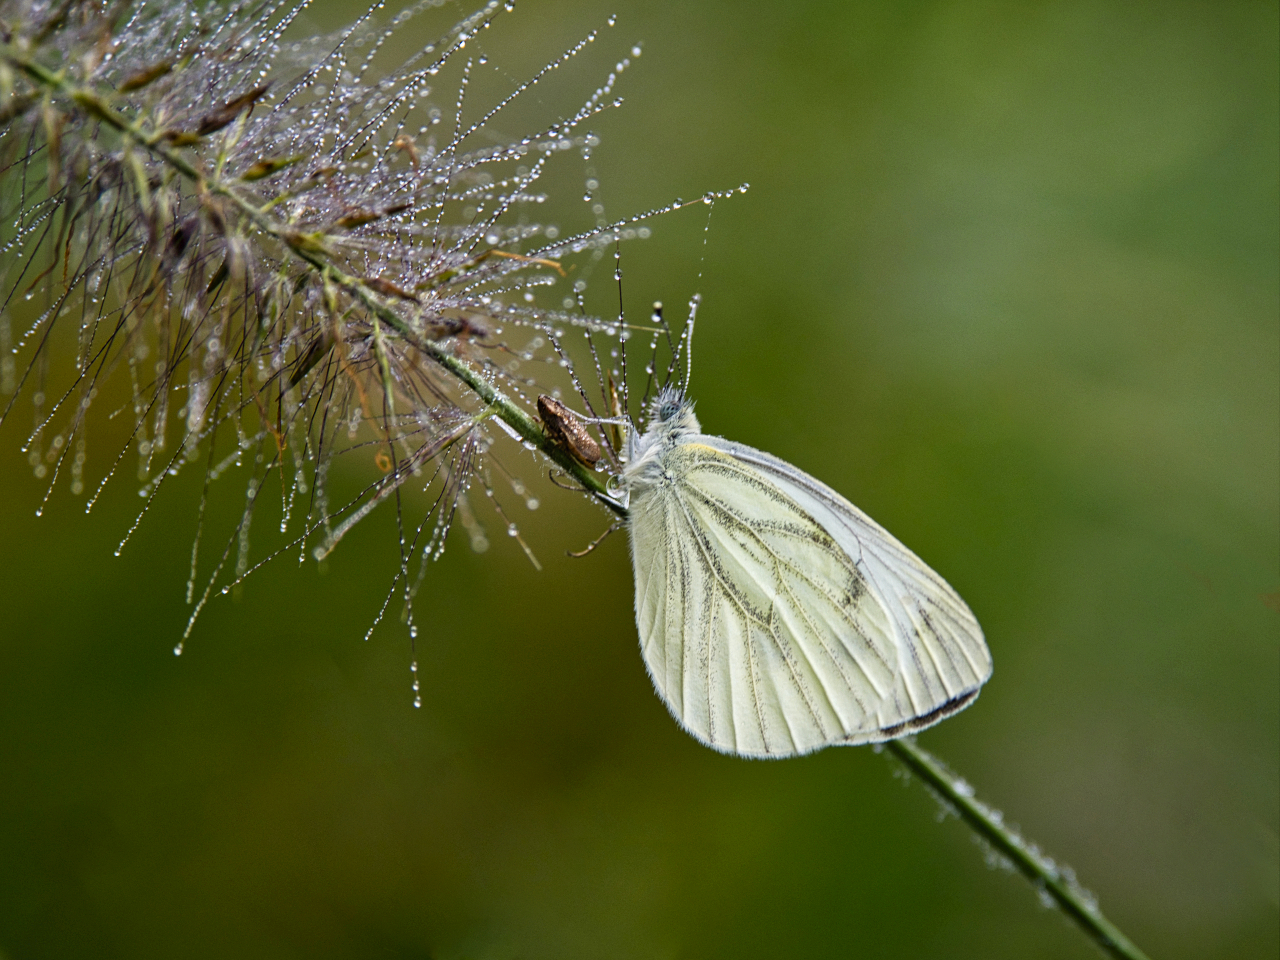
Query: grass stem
{"points": [[1057, 882]]}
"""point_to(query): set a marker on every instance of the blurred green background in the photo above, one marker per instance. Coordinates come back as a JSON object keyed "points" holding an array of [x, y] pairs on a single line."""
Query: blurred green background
{"points": [[1007, 277]]}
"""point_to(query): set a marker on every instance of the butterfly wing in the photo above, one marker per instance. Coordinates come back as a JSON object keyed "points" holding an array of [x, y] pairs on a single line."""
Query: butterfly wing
{"points": [[776, 618], [944, 658]]}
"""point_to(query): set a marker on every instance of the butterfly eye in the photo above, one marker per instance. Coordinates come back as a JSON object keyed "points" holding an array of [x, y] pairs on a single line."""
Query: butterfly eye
{"points": [[668, 410]]}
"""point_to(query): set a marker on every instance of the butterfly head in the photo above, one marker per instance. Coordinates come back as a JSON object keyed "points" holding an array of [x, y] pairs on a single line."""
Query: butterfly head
{"points": [[670, 418], [671, 412]]}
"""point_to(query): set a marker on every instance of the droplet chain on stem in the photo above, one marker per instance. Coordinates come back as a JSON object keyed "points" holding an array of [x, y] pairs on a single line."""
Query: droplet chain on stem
{"points": [[1030, 861]]}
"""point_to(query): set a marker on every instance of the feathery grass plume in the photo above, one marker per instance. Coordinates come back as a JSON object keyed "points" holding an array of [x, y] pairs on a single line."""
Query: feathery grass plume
{"points": [[288, 255]]}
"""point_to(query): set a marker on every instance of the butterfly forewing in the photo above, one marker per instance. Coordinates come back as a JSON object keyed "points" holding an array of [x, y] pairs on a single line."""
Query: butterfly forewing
{"points": [[775, 618], [944, 656]]}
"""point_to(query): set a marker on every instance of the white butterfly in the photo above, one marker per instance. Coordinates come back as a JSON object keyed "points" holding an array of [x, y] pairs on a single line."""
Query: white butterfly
{"points": [[776, 617]]}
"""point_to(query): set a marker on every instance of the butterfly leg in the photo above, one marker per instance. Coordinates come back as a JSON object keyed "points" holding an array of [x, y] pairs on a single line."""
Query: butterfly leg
{"points": [[596, 542]]}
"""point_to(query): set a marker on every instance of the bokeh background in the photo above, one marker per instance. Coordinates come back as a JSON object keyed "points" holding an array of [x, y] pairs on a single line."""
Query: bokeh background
{"points": [[1007, 277]]}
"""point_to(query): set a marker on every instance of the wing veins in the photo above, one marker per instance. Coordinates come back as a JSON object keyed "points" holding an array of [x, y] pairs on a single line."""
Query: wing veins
{"points": [[699, 536], [818, 586], [716, 581], [782, 586]]}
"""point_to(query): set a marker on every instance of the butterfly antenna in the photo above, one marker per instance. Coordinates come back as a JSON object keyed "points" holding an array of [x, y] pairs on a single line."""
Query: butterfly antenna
{"points": [[671, 344], [651, 370], [686, 342], [686, 338]]}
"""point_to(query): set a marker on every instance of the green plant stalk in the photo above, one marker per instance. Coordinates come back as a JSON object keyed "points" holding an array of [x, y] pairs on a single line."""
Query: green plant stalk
{"points": [[985, 822], [1031, 863], [312, 254]]}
